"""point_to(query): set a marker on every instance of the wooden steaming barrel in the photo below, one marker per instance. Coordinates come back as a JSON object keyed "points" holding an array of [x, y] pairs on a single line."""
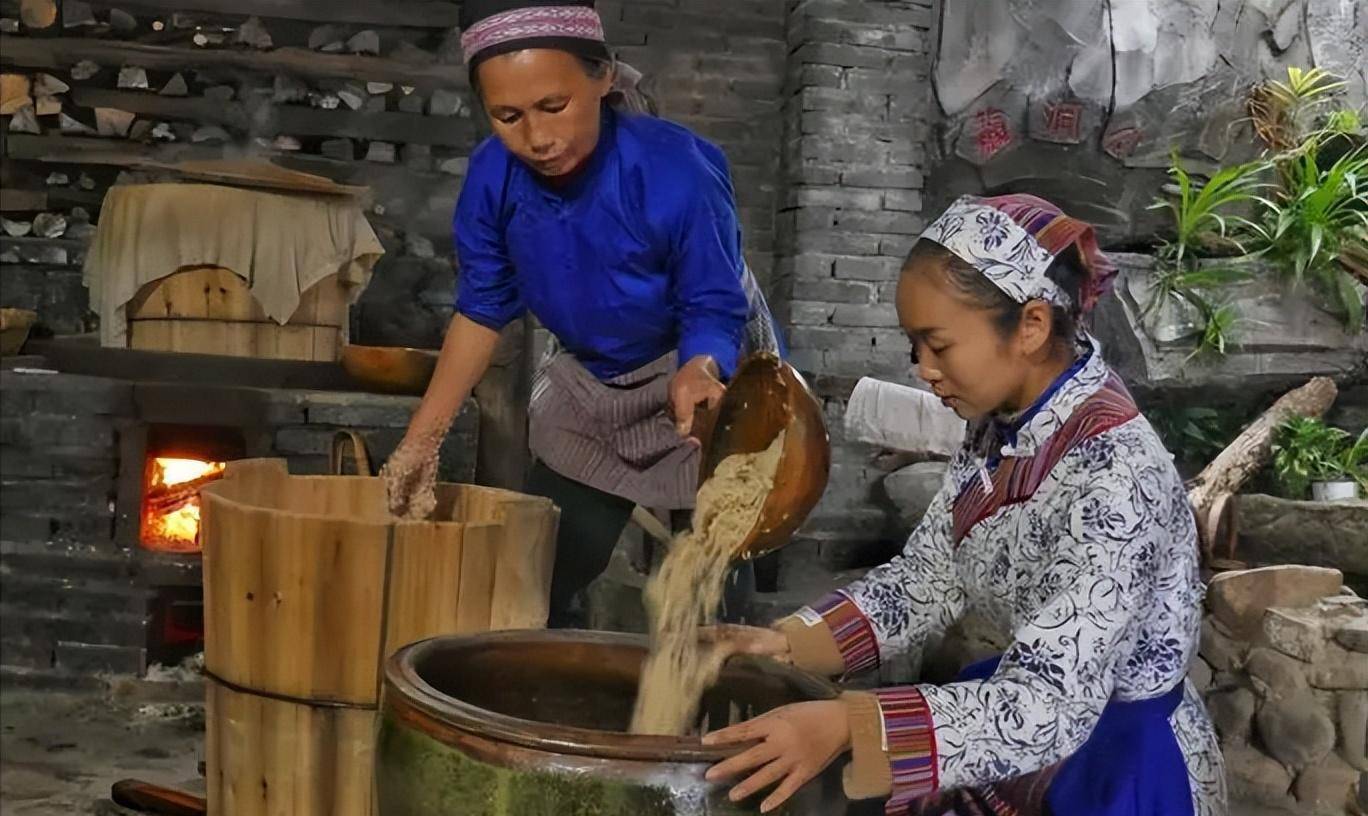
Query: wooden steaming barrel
{"points": [[211, 310], [309, 586]]}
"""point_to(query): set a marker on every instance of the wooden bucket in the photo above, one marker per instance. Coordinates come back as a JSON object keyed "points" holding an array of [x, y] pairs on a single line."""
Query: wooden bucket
{"points": [[309, 585], [211, 310]]}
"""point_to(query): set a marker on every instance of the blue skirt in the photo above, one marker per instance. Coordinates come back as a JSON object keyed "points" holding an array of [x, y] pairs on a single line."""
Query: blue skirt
{"points": [[1130, 765]]}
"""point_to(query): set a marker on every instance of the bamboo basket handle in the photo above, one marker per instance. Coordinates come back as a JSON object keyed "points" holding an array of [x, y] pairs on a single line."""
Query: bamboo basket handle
{"points": [[341, 440]]}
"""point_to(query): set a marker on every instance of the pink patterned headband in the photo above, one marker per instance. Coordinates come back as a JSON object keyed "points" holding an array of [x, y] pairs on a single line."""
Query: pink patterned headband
{"points": [[574, 22]]}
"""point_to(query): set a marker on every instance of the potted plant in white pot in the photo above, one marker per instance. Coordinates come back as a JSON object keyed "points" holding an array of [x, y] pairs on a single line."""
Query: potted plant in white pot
{"points": [[1308, 454]]}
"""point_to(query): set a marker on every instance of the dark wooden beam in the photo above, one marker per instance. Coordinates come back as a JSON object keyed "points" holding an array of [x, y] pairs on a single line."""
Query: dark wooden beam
{"points": [[404, 13], [60, 53], [12, 200], [295, 120], [96, 151]]}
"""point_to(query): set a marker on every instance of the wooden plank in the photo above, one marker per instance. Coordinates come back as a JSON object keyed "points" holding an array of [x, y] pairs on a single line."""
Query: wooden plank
{"points": [[234, 339], [425, 577], [59, 53], [404, 13], [12, 200], [97, 151], [295, 120], [522, 574]]}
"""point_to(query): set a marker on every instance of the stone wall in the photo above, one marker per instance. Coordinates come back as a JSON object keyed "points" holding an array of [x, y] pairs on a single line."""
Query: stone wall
{"points": [[380, 99], [1081, 102], [74, 594], [1284, 670]]}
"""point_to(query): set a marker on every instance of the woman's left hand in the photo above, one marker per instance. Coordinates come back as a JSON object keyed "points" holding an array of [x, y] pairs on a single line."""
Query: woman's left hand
{"points": [[797, 742], [694, 383]]}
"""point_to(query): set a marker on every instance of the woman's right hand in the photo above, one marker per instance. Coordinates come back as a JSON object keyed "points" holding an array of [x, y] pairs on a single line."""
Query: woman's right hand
{"points": [[734, 639], [410, 476]]}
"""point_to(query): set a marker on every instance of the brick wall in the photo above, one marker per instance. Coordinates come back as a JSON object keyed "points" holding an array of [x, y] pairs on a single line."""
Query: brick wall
{"points": [[856, 121]]}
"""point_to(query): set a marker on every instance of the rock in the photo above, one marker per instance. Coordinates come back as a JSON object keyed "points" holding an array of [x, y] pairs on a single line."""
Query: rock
{"points": [[1282, 531], [417, 157], [1220, 650], [210, 134], [1254, 777], [254, 33], [409, 53], [376, 104], [287, 88], [113, 122], [1201, 675], [131, 76], [286, 143], [77, 14], [47, 106], [49, 225], [16, 229], [912, 488], [141, 130], [1275, 674], [220, 93], [353, 95], [205, 38], [1232, 712], [326, 101], [327, 35], [84, 231], [162, 132], [9, 25], [85, 182], [1240, 598], [1340, 669], [1327, 788], [25, 120], [382, 152], [445, 103], [1352, 711], [175, 86], [418, 246], [412, 103], [79, 215], [364, 42], [72, 126], [1295, 730], [1353, 636], [122, 22], [1294, 632], [374, 88], [58, 179], [340, 149], [49, 85], [83, 70]]}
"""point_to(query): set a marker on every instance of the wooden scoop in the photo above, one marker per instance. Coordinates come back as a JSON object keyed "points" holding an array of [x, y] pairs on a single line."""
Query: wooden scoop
{"points": [[765, 397]]}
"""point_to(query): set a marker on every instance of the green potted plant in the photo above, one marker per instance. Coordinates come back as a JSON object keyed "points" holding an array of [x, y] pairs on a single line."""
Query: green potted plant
{"points": [[1308, 454]]}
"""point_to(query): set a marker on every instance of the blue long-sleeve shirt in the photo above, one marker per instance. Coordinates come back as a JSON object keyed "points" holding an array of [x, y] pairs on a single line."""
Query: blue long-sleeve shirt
{"points": [[638, 255]]}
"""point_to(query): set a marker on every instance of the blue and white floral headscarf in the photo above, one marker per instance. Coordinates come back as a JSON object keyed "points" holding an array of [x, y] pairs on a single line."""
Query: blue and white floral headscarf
{"points": [[1013, 239]]}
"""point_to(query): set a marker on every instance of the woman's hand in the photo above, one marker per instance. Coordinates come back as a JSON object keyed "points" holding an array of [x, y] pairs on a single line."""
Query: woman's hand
{"points": [[797, 742], [695, 382], [734, 639], [410, 476]]}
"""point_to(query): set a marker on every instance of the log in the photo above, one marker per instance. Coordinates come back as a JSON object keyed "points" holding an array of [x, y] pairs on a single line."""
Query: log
{"points": [[1243, 457], [403, 13], [14, 93], [38, 14], [64, 52]]}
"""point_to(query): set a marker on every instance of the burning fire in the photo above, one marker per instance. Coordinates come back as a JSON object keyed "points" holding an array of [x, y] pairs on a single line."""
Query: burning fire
{"points": [[171, 505]]}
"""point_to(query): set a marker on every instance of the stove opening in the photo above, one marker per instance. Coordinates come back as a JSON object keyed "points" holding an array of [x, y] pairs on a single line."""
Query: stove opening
{"points": [[180, 461]]}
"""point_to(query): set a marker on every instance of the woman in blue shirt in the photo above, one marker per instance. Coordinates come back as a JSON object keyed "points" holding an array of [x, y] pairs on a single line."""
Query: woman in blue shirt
{"points": [[619, 233]]}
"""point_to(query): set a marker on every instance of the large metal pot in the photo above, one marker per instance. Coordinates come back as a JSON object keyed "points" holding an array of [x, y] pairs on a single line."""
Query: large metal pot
{"points": [[530, 723]]}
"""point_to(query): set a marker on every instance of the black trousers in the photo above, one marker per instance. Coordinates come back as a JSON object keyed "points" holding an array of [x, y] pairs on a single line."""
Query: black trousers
{"points": [[591, 523]]}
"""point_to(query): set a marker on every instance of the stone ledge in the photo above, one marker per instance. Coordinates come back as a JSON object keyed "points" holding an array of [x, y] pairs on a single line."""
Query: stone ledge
{"points": [[1274, 530]]}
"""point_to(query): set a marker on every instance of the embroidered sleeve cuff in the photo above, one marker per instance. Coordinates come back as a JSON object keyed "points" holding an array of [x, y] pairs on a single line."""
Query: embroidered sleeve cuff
{"points": [[851, 630], [910, 743], [868, 776], [811, 646]]}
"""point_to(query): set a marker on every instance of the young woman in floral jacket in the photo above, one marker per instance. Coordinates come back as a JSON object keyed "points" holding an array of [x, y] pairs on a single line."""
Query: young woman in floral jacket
{"points": [[1061, 519]]}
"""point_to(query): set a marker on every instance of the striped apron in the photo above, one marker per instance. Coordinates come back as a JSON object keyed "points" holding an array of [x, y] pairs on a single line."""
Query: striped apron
{"points": [[617, 435]]}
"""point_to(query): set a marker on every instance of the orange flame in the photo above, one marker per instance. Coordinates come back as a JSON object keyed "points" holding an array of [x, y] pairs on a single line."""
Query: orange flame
{"points": [[174, 529]]}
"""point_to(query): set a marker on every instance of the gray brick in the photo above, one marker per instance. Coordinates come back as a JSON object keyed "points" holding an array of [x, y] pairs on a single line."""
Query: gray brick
{"points": [[841, 197], [839, 100], [903, 200], [845, 56], [897, 223], [355, 409], [873, 80], [826, 76], [837, 243], [810, 313], [835, 291], [903, 178], [814, 217], [870, 269], [894, 38], [897, 245], [814, 265], [879, 315], [812, 147], [806, 360], [95, 658]]}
